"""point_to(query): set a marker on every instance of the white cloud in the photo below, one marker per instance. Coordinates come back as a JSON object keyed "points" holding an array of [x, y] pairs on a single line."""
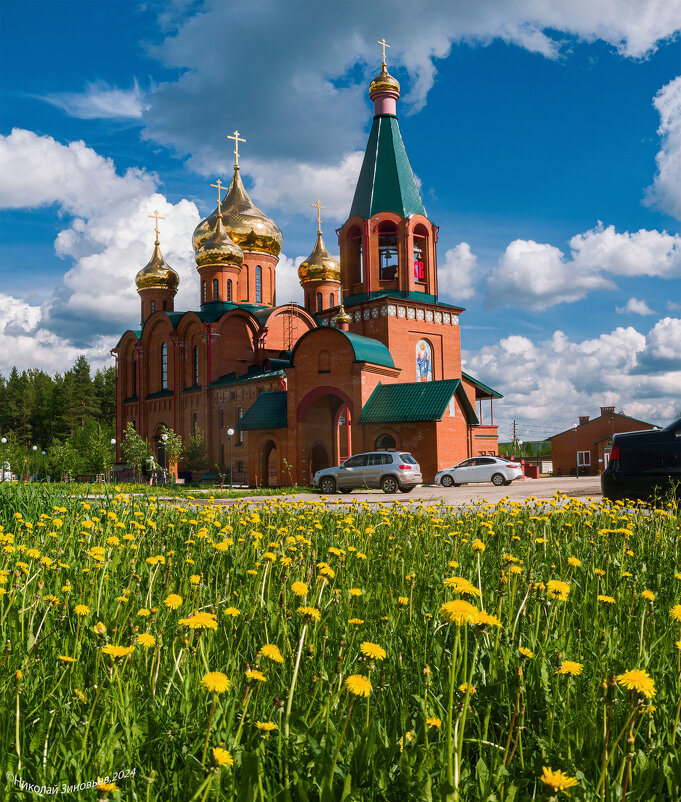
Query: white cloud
{"points": [[548, 384], [634, 306], [457, 273], [534, 275], [288, 283], [101, 101], [665, 193]]}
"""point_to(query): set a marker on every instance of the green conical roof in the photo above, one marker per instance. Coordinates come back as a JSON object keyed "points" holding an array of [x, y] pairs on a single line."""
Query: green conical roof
{"points": [[386, 181]]}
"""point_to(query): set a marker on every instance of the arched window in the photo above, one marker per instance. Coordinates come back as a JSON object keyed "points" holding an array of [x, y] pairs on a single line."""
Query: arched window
{"points": [[332, 301], [355, 255], [420, 254], [387, 251], [385, 442], [203, 292], [258, 284], [196, 365], [246, 285], [320, 302], [229, 289], [216, 290], [164, 366], [153, 307]]}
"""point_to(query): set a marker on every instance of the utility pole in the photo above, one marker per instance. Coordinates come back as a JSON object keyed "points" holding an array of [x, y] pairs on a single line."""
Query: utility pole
{"points": [[515, 437]]}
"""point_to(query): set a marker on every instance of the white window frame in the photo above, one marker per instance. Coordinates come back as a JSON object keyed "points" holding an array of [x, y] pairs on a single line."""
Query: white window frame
{"points": [[584, 459]]}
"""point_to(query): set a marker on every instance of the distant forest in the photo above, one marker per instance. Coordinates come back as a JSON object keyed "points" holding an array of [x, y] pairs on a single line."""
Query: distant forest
{"points": [[39, 409]]}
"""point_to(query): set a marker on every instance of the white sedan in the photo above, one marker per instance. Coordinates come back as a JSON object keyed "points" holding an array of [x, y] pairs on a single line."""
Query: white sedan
{"points": [[497, 470]]}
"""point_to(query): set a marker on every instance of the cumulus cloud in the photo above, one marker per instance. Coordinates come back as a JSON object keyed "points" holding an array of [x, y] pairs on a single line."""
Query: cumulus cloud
{"points": [[634, 306], [534, 275], [457, 273], [665, 192], [549, 383], [288, 283], [101, 101]]}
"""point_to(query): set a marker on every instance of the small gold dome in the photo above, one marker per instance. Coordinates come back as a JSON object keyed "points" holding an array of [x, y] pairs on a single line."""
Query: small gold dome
{"points": [[244, 222], [342, 316], [319, 265], [157, 273], [219, 249], [384, 80]]}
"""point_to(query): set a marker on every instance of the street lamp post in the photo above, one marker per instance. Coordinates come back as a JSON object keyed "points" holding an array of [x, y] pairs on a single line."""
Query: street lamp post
{"points": [[2, 457], [42, 465], [164, 437], [113, 456], [35, 448], [230, 432]]}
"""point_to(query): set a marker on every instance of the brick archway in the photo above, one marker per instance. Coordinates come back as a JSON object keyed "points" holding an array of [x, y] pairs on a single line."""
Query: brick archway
{"points": [[321, 414]]}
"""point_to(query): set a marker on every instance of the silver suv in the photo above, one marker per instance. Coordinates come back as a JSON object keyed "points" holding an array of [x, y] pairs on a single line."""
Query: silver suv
{"points": [[389, 470]]}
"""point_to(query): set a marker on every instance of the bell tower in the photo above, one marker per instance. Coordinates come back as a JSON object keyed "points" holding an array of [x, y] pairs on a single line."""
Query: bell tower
{"points": [[388, 244]]}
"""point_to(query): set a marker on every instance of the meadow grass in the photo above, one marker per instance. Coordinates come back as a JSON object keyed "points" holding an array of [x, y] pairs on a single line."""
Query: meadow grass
{"points": [[303, 651]]}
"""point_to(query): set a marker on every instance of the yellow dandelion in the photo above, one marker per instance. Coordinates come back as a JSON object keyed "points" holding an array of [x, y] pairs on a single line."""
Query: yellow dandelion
{"points": [[222, 757], [266, 726], [460, 585], [570, 668], [118, 651], [99, 628], [605, 599], [526, 652], [372, 650], [271, 652], [143, 612], [146, 640], [403, 601], [215, 681], [107, 788], [358, 685], [574, 562], [459, 612], [299, 589], [80, 695], [557, 780], [466, 688], [356, 621], [648, 595], [64, 658], [199, 621], [309, 613], [557, 589], [434, 721], [255, 675], [675, 612], [173, 601], [356, 592], [638, 680], [232, 611], [81, 609], [487, 620], [478, 546]]}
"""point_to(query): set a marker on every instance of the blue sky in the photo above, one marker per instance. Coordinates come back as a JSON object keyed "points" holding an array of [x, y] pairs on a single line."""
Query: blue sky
{"points": [[546, 136]]}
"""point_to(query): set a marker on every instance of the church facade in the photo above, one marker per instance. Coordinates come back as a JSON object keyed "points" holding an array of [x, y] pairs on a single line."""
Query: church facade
{"points": [[372, 360]]}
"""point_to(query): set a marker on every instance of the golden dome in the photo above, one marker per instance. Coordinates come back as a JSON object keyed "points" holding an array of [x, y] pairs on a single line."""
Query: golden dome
{"points": [[157, 273], [342, 316], [383, 81], [319, 265], [244, 222], [218, 249]]}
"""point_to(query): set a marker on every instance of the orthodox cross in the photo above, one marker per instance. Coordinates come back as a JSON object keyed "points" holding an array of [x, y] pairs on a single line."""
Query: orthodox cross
{"points": [[236, 139], [383, 44], [156, 217], [318, 206], [220, 188]]}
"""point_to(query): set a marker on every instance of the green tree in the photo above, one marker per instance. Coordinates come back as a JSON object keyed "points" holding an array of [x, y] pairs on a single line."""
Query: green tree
{"points": [[174, 447], [195, 453], [62, 461], [135, 449], [92, 442]]}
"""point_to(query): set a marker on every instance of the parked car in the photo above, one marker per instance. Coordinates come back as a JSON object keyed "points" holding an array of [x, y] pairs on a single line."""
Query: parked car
{"points": [[644, 463], [389, 470], [497, 470]]}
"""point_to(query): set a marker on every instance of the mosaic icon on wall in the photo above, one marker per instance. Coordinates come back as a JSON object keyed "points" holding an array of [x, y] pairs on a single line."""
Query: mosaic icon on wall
{"points": [[424, 361]]}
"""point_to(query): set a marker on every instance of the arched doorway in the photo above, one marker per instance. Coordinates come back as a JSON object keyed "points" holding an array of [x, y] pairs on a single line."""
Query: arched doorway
{"points": [[319, 459], [269, 464], [385, 442], [325, 423]]}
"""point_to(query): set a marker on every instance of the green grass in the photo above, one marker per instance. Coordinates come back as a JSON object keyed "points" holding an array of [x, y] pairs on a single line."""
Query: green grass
{"points": [[65, 722]]}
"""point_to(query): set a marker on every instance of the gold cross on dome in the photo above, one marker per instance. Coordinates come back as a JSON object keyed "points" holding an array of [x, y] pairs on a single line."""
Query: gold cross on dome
{"points": [[220, 188], [383, 44], [156, 216], [318, 206], [236, 139]]}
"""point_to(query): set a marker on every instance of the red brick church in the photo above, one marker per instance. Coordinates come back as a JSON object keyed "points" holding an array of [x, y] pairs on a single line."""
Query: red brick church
{"points": [[372, 360]]}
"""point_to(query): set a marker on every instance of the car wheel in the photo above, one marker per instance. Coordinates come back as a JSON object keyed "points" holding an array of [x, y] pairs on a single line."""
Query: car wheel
{"points": [[446, 481], [327, 485], [498, 480], [389, 485], [345, 490], [407, 489]]}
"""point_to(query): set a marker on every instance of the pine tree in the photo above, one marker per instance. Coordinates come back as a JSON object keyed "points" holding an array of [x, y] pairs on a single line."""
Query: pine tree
{"points": [[195, 453]]}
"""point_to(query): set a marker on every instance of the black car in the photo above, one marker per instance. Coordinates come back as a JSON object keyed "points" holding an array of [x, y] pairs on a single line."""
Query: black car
{"points": [[644, 464]]}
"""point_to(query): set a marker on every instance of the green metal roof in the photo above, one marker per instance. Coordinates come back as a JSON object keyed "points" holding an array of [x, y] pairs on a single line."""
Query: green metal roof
{"points": [[487, 391], [268, 411], [386, 181], [255, 372], [415, 401], [400, 295], [366, 349]]}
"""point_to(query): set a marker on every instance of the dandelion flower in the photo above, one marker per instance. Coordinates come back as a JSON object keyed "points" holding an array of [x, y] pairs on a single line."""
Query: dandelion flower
{"points": [[358, 685], [81, 609], [173, 601], [146, 640], [107, 788], [232, 611], [118, 651], [356, 621], [403, 601], [570, 668], [99, 628], [271, 652], [143, 612], [299, 589], [466, 688], [254, 674], [648, 595], [459, 612], [199, 621], [557, 780], [355, 592], [64, 658], [526, 652], [309, 613], [80, 695], [461, 586], [372, 650], [637, 680], [434, 721], [215, 681], [675, 612], [222, 757], [574, 562], [487, 620], [478, 546], [605, 599], [266, 726], [557, 589]]}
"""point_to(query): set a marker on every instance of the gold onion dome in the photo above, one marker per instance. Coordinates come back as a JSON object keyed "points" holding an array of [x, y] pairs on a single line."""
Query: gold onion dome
{"points": [[319, 265], [247, 226], [384, 81], [342, 316], [219, 248], [157, 273]]}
